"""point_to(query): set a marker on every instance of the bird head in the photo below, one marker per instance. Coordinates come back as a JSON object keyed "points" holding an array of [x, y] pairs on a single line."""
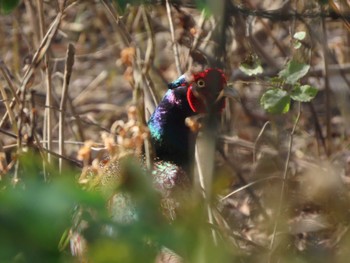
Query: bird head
{"points": [[205, 91]]}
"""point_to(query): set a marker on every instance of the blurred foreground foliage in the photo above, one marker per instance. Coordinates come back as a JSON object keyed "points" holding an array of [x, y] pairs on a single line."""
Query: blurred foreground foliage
{"points": [[34, 214], [6, 6], [37, 217]]}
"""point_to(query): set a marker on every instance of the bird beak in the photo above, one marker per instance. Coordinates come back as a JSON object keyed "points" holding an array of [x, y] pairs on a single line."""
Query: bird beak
{"points": [[229, 92]]}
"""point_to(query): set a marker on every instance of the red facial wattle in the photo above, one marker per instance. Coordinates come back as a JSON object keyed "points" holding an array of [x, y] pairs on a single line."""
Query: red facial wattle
{"points": [[215, 81]]}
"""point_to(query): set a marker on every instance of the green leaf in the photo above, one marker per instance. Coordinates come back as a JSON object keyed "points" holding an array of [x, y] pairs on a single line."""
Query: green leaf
{"points": [[294, 71], [297, 44], [201, 4], [299, 35], [251, 69], [6, 6], [204, 5], [275, 81], [304, 93], [275, 101]]}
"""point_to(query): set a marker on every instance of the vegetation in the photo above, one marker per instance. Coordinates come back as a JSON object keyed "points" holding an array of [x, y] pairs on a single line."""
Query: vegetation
{"points": [[79, 79]]}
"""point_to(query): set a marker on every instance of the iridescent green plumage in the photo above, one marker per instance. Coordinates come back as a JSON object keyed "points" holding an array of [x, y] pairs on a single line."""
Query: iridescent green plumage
{"points": [[171, 137]]}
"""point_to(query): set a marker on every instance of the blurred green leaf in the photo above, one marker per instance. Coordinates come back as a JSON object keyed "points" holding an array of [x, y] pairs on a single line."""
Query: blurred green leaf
{"points": [[275, 101], [202, 5], [275, 81], [294, 71], [64, 241], [251, 67], [299, 35], [121, 250], [209, 7], [6, 6], [297, 44], [34, 213], [304, 93]]}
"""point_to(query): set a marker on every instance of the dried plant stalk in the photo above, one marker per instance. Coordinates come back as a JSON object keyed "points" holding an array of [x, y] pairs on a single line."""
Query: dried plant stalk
{"points": [[172, 31], [67, 76]]}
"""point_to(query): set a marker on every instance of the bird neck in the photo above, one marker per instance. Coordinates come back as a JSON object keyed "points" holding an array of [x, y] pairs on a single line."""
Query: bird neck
{"points": [[172, 139]]}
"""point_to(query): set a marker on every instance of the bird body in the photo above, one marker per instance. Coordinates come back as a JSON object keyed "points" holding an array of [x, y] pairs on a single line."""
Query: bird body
{"points": [[171, 138], [187, 96], [173, 142]]}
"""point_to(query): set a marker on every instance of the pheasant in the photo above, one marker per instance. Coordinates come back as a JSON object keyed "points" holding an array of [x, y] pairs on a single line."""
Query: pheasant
{"points": [[171, 135], [173, 141]]}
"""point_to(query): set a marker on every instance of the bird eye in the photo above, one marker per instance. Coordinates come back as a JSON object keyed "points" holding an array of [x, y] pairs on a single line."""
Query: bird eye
{"points": [[201, 83]]}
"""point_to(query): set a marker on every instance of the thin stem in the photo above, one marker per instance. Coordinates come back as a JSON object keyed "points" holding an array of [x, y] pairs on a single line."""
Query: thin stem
{"points": [[243, 181], [285, 177], [67, 75], [172, 32], [196, 41], [48, 110], [249, 185], [327, 87], [205, 190], [8, 107], [258, 138]]}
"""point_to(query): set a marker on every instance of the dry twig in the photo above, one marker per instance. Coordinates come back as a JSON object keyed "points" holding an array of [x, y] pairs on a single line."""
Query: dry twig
{"points": [[172, 32], [67, 75]]}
